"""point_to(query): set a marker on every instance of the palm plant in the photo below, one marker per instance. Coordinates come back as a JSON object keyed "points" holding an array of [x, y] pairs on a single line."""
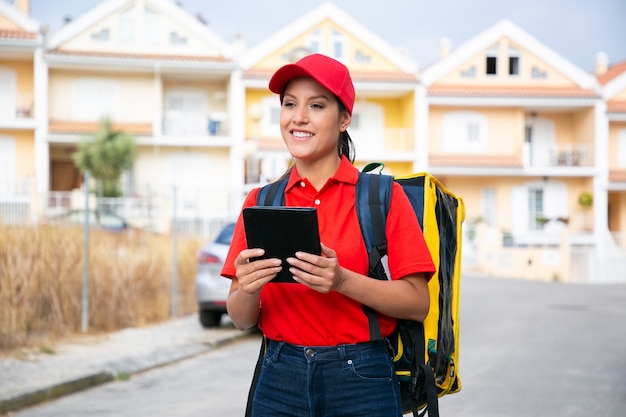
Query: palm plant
{"points": [[106, 155]]}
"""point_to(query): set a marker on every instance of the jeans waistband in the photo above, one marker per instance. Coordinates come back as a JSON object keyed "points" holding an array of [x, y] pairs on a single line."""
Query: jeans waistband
{"points": [[339, 352]]}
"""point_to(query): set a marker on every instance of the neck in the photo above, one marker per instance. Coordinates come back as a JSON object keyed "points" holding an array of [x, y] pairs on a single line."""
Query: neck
{"points": [[318, 172]]}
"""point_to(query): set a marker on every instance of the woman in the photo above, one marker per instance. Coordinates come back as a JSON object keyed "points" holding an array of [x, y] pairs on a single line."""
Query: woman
{"points": [[320, 360]]}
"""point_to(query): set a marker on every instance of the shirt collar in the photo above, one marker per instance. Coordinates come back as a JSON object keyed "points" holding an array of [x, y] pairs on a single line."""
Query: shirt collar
{"points": [[345, 173]]}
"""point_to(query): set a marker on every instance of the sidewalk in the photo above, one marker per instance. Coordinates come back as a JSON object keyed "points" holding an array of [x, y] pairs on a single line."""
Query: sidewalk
{"points": [[89, 360]]}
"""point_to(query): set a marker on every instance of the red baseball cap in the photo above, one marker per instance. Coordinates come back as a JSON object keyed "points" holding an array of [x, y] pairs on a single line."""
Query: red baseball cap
{"points": [[330, 73]]}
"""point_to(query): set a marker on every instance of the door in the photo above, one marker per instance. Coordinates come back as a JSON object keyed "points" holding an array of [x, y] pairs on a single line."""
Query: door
{"points": [[540, 136], [7, 94], [186, 113]]}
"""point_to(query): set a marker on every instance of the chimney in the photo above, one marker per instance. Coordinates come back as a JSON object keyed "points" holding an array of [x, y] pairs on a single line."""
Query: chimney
{"points": [[23, 6], [602, 63], [445, 46]]}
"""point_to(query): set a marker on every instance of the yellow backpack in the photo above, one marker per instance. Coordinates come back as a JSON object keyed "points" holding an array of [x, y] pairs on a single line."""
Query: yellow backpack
{"points": [[427, 354]]}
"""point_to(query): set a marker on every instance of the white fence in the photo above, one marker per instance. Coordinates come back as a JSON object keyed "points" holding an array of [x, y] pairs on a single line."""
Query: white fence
{"points": [[158, 213]]}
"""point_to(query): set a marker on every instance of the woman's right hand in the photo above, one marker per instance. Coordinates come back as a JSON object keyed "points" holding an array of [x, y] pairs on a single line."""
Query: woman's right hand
{"points": [[253, 275]]}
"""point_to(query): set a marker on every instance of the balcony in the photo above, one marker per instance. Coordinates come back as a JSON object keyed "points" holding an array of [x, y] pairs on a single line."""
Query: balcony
{"points": [[195, 126], [18, 113], [559, 155]]}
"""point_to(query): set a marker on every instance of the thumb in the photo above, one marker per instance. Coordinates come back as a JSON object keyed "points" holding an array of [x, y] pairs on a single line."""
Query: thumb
{"points": [[328, 252]]}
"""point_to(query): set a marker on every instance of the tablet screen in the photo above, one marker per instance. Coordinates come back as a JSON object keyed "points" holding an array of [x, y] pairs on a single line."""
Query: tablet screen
{"points": [[282, 231]]}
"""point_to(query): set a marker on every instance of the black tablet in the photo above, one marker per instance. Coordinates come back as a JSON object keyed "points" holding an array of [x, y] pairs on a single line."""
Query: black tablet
{"points": [[282, 231]]}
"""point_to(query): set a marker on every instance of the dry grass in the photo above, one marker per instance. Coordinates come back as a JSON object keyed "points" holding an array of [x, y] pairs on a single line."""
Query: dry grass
{"points": [[41, 281]]}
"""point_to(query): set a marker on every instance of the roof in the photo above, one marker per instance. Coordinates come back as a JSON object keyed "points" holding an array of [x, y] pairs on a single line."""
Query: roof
{"points": [[17, 34], [135, 56], [403, 77], [506, 161], [167, 8], [343, 20], [512, 91], [87, 128], [500, 30], [614, 70]]}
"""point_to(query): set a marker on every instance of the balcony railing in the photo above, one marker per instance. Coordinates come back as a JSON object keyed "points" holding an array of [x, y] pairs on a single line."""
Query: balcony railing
{"points": [[177, 126], [559, 155]]}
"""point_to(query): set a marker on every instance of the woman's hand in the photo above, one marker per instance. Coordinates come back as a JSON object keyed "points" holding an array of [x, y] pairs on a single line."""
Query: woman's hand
{"points": [[320, 273], [253, 275]]}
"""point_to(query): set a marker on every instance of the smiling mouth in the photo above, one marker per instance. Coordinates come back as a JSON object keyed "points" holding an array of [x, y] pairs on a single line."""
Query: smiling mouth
{"points": [[301, 135]]}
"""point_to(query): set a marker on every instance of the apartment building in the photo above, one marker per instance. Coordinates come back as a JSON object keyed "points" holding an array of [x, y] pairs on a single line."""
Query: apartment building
{"points": [[21, 112], [534, 145]]}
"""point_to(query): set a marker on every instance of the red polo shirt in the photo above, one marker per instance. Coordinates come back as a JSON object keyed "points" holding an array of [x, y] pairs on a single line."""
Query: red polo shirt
{"points": [[299, 315]]}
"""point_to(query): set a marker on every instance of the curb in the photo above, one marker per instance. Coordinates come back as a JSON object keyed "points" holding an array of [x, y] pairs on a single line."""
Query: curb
{"points": [[115, 370]]}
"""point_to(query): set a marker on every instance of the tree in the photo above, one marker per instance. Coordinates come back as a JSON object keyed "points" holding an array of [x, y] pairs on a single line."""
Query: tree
{"points": [[106, 155]]}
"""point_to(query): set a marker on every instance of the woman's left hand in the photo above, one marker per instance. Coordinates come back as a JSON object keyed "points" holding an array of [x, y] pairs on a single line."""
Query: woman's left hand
{"points": [[320, 273]]}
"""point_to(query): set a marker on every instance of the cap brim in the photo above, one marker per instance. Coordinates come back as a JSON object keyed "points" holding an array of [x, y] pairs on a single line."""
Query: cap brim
{"points": [[284, 75]]}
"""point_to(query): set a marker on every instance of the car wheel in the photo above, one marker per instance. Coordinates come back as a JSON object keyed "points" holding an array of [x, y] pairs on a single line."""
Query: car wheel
{"points": [[210, 318]]}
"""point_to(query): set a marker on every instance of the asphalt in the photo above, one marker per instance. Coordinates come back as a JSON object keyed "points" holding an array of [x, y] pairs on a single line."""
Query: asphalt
{"points": [[29, 377]]}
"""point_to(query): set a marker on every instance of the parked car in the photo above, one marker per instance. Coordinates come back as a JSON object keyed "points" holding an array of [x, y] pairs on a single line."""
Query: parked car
{"points": [[211, 287], [104, 220]]}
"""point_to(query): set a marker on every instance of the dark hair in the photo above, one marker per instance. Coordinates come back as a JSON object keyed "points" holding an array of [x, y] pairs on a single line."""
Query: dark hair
{"points": [[346, 146]]}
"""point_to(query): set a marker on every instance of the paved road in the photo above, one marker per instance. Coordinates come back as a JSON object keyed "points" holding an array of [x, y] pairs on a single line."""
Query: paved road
{"points": [[527, 349]]}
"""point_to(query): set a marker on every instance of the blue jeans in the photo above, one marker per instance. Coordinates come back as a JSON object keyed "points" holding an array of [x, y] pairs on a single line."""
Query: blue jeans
{"points": [[345, 380]]}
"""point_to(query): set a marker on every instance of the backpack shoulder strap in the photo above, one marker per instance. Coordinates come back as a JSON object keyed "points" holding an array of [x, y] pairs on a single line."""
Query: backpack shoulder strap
{"points": [[373, 197], [272, 194]]}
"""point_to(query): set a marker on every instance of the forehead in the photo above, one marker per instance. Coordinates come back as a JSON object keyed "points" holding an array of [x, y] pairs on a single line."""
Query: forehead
{"points": [[306, 85]]}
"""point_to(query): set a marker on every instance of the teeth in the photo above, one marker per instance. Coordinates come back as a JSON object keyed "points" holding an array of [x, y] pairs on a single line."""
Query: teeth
{"points": [[302, 134]]}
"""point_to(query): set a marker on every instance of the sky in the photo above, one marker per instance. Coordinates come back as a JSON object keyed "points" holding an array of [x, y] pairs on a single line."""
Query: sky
{"points": [[575, 29]]}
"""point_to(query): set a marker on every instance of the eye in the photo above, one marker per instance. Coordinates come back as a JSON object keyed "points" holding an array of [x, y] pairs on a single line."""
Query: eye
{"points": [[318, 106], [288, 104]]}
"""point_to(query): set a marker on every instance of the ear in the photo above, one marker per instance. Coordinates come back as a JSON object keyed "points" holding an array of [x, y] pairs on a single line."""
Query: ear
{"points": [[345, 121]]}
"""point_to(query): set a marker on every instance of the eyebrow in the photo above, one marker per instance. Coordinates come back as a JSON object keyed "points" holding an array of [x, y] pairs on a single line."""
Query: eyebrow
{"points": [[320, 96]]}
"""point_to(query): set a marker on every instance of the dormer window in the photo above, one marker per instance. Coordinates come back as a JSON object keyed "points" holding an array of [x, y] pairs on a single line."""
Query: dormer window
{"points": [[314, 41], [176, 39], [127, 27], [514, 56], [491, 62], [102, 36], [339, 45]]}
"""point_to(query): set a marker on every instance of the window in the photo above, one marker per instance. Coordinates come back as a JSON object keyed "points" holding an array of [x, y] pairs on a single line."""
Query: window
{"points": [[94, 98], [464, 132], [513, 61], [339, 45], [7, 166], [537, 73], [491, 61], [513, 65], [621, 149], [314, 41], [473, 132], [535, 209], [270, 117], [362, 58], [102, 36], [8, 93], [469, 73], [127, 27], [176, 39], [152, 27], [488, 205]]}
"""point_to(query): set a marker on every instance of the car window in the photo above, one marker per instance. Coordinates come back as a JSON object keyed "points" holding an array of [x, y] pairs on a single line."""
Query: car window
{"points": [[79, 217], [112, 222], [226, 235]]}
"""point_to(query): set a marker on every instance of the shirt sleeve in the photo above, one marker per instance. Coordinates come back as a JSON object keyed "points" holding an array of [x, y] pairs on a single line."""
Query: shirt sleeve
{"points": [[406, 247], [238, 242]]}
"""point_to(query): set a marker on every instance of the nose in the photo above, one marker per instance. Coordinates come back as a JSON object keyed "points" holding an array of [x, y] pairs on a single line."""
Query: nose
{"points": [[300, 115]]}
